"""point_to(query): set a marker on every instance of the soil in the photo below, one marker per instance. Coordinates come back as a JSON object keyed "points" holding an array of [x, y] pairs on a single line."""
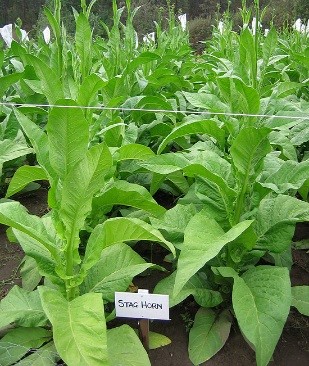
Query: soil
{"points": [[292, 348]]}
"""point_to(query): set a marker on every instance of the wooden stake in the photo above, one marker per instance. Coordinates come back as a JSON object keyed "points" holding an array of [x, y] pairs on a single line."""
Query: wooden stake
{"points": [[143, 328]]}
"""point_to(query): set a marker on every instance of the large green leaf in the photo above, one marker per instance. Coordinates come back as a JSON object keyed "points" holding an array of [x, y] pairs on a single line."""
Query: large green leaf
{"points": [[79, 327], [44, 356], [248, 150], [207, 126], [300, 299], [83, 41], [17, 342], [174, 221], [208, 102], [8, 80], [196, 286], [290, 175], [30, 274], [119, 230], [23, 308], [38, 140], [23, 176], [125, 348], [208, 334], [15, 215], [261, 301], [10, 150], [114, 271], [79, 186], [128, 194], [68, 135], [165, 164], [203, 240], [50, 83], [89, 89], [276, 219]]}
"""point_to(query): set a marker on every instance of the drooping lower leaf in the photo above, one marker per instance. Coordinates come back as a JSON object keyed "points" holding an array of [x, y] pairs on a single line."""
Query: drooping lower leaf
{"points": [[17, 342], [79, 327], [44, 356], [300, 299], [261, 301], [208, 334], [125, 348]]}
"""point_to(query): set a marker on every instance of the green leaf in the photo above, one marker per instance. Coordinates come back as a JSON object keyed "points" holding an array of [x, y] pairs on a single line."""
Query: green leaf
{"points": [[50, 83], [196, 286], [248, 150], [128, 194], [89, 89], [204, 238], [44, 356], [79, 329], [276, 219], [207, 126], [119, 230], [290, 175], [206, 101], [300, 299], [142, 59], [23, 308], [8, 80], [299, 134], [165, 164], [125, 348], [38, 140], [16, 343], [114, 271], [83, 42], [79, 186], [157, 340], [208, 334], [30, 274], [174, 221], [68, 135], [15, 215], [261, 301], [23, 176], [134, 151], [10, 150]]}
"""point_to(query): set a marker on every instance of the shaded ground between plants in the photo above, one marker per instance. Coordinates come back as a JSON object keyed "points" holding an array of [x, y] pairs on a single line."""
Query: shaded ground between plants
{"points": [[292, 349]]}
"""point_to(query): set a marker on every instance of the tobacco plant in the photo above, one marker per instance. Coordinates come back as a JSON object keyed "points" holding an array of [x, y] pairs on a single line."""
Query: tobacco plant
{"points": [[64, 316]]}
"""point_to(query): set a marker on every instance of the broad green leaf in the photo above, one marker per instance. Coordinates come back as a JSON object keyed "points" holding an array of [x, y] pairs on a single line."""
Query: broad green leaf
{"points": [[134, 151], [203, 240], [17, 342], [196, 286], [89, 89], [157, 340], [276, 219], [79, 186], [44, 356], [125, 348], [142, 59], [269, 46], [128, 194], [10, 150], [50, 83], [79, 329], [30, 275], [114, 271], [299, 134], [174, 221], [8, 80], [38, 140], [68, 135], [207, 126], [15, 215], [248, 150], [290, 175], [300, 299], [279, 139], [165, 164], [119, 230], [208, 102], [23, 176], [248, 99], [261, 301], [208, 334], [23, 308]]}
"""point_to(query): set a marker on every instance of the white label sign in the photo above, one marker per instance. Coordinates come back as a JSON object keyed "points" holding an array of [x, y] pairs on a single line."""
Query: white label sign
{"points": [[142, 305]]}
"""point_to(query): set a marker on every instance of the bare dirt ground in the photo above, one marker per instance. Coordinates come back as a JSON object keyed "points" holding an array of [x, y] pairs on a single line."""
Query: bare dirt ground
{"points": [[292, 349]]}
